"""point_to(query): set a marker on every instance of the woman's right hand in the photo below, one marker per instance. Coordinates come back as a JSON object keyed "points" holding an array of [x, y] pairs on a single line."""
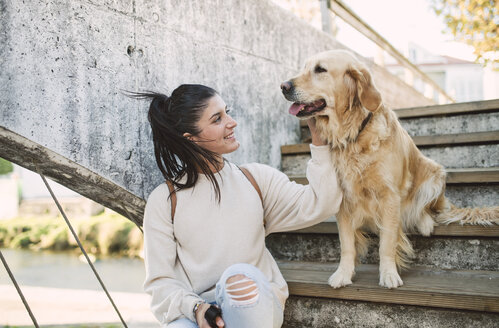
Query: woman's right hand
{"points": [[201, 321]]}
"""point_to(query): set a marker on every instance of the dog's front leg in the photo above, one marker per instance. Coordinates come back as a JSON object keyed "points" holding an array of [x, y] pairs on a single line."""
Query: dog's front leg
{"points": [[346, 269], [388, 241]]}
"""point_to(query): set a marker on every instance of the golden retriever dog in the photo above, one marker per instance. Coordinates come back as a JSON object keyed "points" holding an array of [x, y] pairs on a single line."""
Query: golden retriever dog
{"points": [[388, 186]]}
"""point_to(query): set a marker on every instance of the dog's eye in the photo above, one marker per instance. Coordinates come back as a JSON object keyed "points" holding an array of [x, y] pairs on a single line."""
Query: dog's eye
{"points": [[319, 69]]}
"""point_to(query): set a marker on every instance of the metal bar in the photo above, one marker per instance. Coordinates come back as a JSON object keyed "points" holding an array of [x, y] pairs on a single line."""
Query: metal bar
{"points": [[82, 249], [326, 21], [345, 13], [18, 290]]}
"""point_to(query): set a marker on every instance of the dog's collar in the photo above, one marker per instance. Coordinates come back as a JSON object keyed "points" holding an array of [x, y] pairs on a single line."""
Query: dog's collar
{"points": [[364, 123]]}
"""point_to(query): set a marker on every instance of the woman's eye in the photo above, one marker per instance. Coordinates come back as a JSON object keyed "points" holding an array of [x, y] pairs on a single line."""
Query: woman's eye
{"points": [[319, 69], [227, 111]]}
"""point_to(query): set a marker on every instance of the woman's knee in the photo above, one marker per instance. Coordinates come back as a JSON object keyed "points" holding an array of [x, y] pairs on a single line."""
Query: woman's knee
{"points": [[243, 284], [242, 290]]}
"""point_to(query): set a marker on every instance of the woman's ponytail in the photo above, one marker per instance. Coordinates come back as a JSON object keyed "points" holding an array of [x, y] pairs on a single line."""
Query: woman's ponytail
{"points": [[171, 117]]}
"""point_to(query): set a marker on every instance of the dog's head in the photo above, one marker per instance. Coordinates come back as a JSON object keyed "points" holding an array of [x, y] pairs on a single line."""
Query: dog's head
{"points": [[330, 84]]}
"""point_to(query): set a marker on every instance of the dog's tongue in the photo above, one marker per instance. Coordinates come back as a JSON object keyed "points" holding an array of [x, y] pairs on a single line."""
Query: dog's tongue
{"points": [[295, 108]]}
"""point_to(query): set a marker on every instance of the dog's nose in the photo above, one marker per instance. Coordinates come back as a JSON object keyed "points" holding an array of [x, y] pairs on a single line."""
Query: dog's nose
{"points": [[286, 86]]}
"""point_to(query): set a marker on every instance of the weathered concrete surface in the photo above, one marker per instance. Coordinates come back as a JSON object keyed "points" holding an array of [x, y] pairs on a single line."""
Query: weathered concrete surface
{"points": [[440, 252], [463, 195], [476, 156], [426, 126], [63, 65], [306, 312], [464, 156]]}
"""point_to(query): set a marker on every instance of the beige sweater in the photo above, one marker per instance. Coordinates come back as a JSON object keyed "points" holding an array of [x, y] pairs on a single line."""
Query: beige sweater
{"points": [[184, 260]]}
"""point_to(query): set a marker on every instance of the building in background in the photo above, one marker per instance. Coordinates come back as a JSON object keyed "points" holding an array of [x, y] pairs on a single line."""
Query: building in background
{"points": [[462, 80]]}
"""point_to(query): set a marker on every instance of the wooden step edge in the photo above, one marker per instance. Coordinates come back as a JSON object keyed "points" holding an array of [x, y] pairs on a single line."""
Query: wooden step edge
{"points": [[454, 176], [451, 230], [473, 175], [473, 107], [37, 158], [472, 138], [453, 289]]}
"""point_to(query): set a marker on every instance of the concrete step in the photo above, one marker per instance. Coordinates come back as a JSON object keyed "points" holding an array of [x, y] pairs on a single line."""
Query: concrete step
{"points": [[477, 156], [450, 247], [451, 124], [470, 298], [476, 149], [457, 118], [316, 312], [462, 156], [465, 187], [440, 125]]}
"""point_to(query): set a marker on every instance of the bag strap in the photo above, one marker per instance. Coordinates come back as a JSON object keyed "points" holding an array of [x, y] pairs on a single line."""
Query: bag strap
{"points": [[247, 174], [251, 179], [173, 198]]}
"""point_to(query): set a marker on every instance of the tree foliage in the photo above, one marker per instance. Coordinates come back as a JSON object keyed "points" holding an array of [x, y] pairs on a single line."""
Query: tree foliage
{"points": [[6, 167], [474, 22]]}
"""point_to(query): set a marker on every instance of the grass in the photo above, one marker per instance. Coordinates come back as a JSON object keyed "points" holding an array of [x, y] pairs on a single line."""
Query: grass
{"points": [[104, 234]]}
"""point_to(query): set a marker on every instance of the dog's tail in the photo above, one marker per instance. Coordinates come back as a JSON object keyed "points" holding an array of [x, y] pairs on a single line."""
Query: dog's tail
{"points": [[482, 216]]}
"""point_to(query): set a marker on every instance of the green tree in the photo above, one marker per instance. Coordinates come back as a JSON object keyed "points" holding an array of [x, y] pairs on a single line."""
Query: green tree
{"points": [[474, 22], [5, 166]]}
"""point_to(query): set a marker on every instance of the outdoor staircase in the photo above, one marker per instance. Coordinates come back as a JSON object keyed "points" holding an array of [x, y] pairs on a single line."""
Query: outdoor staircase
{"points": [[454, 279]]}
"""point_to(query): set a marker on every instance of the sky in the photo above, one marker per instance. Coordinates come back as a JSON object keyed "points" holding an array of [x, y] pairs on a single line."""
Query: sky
{"points": [[400, 21]]}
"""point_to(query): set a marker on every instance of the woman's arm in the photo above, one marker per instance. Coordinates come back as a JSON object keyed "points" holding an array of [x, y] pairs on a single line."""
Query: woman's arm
{"points": [[290, 206], [316, 139], [171, 295]]}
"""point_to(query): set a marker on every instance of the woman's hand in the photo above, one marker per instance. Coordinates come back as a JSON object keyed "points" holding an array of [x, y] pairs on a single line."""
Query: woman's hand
{"points": [[316, 139], [201, 321]]}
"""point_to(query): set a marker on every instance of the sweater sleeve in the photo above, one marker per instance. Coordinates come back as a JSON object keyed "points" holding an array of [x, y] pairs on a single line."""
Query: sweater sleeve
{"points": [[171, 298], [291, 206]]}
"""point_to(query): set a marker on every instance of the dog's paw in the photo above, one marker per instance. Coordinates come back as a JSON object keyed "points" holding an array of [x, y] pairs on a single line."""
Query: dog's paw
{"points": [[340, 279], [390, 279]]}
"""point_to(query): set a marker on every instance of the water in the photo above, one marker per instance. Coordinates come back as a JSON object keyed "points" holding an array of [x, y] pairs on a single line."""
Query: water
{"points": [[65, 270]]}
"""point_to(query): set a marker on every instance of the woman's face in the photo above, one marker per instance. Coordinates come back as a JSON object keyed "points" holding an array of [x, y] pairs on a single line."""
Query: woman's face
{"points": [[217, 128]]}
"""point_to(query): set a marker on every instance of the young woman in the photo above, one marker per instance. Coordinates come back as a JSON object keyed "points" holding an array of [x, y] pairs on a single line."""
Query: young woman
{"points": [[212, 251]]}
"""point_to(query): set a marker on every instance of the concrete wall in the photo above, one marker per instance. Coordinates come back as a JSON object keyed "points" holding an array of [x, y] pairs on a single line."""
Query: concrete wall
{"points": [[63, 64]]}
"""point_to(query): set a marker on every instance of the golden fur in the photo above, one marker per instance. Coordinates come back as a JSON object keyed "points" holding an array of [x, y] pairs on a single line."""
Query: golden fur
{"points": [[388, 186]]}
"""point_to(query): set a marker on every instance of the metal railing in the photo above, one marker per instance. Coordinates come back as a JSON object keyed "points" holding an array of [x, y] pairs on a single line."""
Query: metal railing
{"points": [[342, 11]]}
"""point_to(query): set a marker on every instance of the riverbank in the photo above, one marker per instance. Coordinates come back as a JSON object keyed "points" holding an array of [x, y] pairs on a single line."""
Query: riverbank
{"points": [[106, 234], [63, 291]]}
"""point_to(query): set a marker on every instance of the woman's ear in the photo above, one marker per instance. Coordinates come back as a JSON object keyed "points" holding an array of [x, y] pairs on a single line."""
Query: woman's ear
{"points": [[188, 136]]}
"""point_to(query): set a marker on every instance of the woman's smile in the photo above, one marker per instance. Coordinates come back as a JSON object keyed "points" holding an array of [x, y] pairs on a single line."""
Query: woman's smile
{"points": [[217, 128]]}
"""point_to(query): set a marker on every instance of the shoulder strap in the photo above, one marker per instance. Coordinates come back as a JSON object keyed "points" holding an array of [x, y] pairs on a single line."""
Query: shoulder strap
{"points": [[173, 198], [253, 181]]}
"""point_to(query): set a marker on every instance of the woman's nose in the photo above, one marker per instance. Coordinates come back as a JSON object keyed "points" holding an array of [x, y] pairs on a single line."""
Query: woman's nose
{"points": [[232, 123]]}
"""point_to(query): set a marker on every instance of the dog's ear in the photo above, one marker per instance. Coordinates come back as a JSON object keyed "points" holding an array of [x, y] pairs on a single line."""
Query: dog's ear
{"points": [[361, 88]]}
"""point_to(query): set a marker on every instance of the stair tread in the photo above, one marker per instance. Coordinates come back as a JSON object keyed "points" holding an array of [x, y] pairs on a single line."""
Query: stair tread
{"points": [[473, 107], [454, 176], [420, 141], [453, 229], [458, 289]]}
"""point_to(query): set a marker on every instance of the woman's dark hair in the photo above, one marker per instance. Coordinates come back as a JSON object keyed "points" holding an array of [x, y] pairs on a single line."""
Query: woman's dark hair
{"points": [[171, 117]]}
